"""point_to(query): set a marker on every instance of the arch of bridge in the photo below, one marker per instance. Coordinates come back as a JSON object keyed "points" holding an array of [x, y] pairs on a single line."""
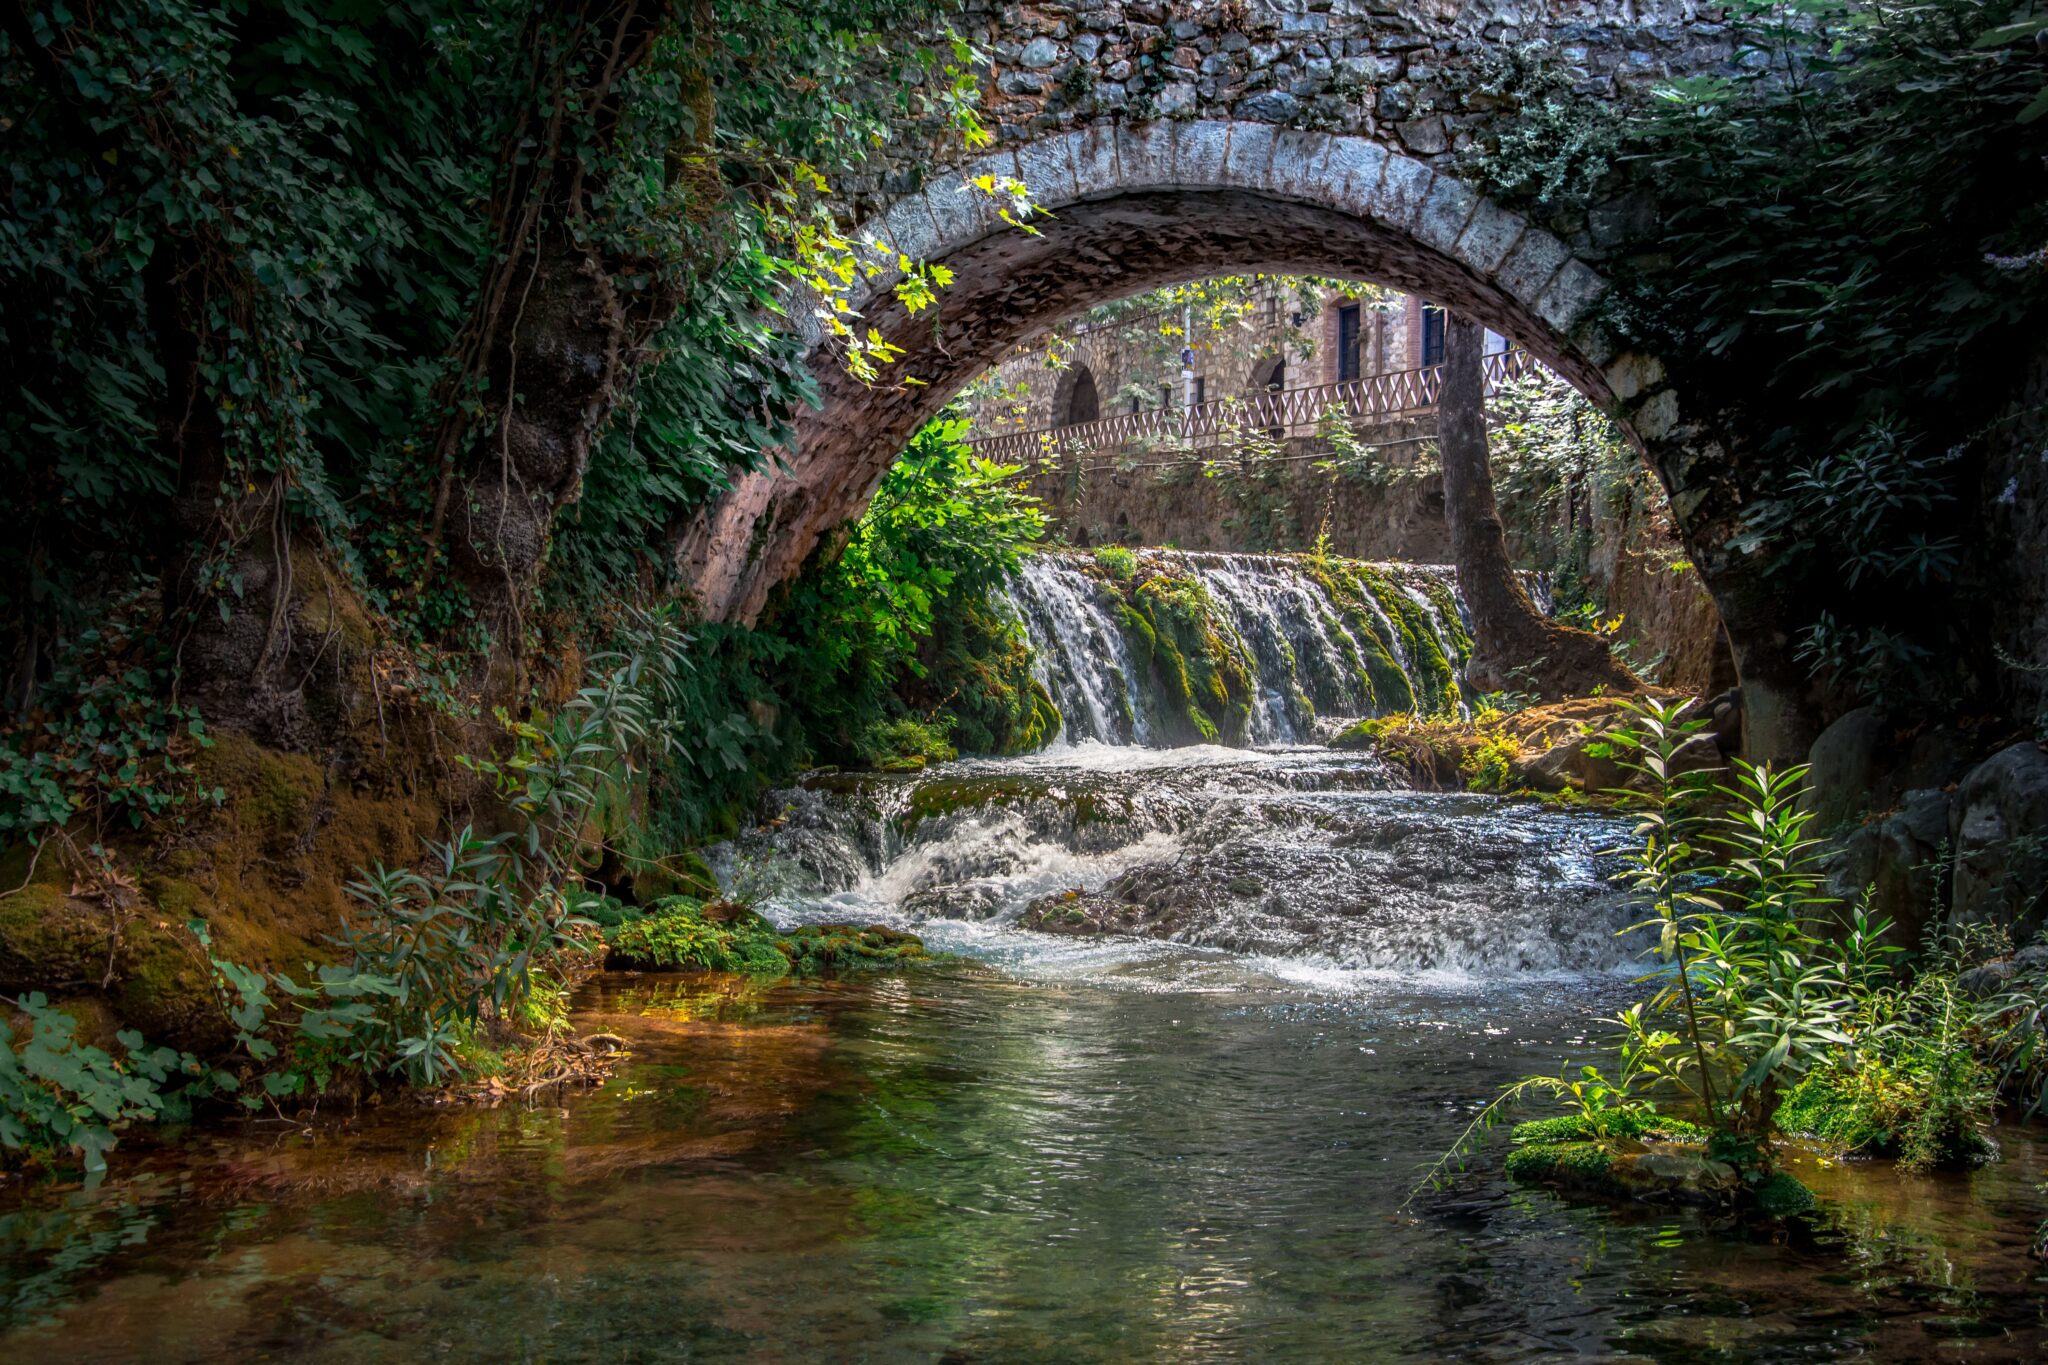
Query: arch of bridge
{"points": [[1188, 138], [1133, 207]]}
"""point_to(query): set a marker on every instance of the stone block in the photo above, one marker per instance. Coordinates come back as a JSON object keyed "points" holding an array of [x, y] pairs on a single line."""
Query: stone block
{"points": [[1144, 155], [1297, 169], [1402, 190], [908, 227], [1656, 418], [960, 212], [1198, 150], [1531, 266], [1634, 374], [1095, 163], [1489, 237], [1351, 174], [1047, 166], [1575, 290], [1444, 213], [1248, 155]]}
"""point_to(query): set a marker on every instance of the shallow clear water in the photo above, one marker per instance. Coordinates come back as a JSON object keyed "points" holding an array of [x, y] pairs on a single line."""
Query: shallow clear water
{"points": [[1047, 1149]]}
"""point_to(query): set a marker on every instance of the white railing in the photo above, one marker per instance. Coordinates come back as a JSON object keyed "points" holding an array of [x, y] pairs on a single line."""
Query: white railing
{"points": [[1407, 393]]}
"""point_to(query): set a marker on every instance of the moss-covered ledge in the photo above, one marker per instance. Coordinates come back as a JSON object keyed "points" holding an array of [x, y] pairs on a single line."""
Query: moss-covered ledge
{"points": [[1650, 1159]]}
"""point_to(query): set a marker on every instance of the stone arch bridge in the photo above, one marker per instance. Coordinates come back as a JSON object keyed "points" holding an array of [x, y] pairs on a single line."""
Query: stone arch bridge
{"points": [[1170, 142]]}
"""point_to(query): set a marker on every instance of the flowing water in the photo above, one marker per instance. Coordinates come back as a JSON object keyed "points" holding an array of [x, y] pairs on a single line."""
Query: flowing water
{"points": [[1198, 1144], [1298, 644]]}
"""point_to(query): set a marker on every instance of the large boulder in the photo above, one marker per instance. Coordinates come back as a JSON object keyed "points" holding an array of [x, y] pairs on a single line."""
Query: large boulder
{"points": [[1899, 859], [2000, 832], [1846, 766]]}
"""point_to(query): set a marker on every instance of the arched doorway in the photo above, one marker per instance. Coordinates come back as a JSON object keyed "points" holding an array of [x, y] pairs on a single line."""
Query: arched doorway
{"points": [[1272, 386], [1075, 399]]}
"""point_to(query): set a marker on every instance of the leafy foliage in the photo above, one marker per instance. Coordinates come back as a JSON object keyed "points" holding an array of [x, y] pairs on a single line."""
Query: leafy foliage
{"points": [[57, 1093], [1840, 236], [941, 533], [682, 934], [246, 306], [1763, 1017]]}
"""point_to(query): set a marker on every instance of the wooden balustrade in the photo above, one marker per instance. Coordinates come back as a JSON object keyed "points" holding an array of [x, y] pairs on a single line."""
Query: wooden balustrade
{"points": [[1289, 412]]}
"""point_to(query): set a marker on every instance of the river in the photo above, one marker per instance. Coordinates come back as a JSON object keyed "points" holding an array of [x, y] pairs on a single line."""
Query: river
{"points": [[1044, 1147]]}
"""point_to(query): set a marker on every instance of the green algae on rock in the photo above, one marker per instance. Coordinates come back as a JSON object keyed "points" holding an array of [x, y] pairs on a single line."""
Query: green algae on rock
{"points": [[683, 934], [1647, 1158]]}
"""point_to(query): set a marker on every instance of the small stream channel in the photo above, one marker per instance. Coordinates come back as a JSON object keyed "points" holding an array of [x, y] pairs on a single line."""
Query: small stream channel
{"points": [[1193, 1146]]}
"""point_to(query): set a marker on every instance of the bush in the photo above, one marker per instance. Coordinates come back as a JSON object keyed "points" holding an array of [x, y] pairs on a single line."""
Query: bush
{"points": [[1119, 563], [682, 934], [1490, 767], [906, 744], [1929, 1115]]}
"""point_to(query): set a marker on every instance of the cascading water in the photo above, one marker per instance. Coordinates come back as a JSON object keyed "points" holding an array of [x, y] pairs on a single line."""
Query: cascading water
{"points": [[1306, 864], [1307, 653], [1303, 860], [1079, 650]]}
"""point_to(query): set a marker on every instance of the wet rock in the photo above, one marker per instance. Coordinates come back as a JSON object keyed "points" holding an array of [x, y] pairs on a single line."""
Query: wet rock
{"points": [[971, 902], [2000, 832], [1987, 978], [1899, 860], [1081, 914]]}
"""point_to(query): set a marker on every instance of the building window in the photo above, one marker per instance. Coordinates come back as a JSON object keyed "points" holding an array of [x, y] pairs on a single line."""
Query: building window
{"points": [[1165, 396], [1201, 389], [1347, 343], [1432, 335]]}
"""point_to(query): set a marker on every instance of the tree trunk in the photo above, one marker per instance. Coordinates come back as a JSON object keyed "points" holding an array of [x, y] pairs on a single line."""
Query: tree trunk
{"points": [[1515, 647], [555, 341]]}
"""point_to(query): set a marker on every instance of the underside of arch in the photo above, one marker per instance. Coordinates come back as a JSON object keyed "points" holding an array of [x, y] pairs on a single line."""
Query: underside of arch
{"points": [[1008, 286]]}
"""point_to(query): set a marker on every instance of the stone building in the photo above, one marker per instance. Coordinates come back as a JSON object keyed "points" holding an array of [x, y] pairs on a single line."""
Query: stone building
{"points": [[1085, 372]]}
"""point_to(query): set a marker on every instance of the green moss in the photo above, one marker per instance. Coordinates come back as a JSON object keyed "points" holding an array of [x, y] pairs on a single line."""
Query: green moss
{"points": [[824, 949], [976, 674], [43, 939], [1202, 670], [1577, 1163], [1927, 1116], [1363, 733], [681, 934], [1781, 1196], [1635, 1123], [176, 900]]}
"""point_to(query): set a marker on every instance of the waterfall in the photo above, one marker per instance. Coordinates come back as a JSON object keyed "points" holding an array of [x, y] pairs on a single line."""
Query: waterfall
{"points": [[1315, 640]]}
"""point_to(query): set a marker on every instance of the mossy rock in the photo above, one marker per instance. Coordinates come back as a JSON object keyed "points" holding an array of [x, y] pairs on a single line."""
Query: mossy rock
{"points": [[1363, 734], [1876, 1111], [826, 949], [53, 942], [1647, 1168], [1633, 1123], [1626, 1170], [1587, 1165], [1782, 1196], [682, 934]]}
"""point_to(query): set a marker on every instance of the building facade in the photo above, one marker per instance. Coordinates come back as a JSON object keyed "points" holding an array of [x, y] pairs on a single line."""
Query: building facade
{"points": [[1286, 341]]}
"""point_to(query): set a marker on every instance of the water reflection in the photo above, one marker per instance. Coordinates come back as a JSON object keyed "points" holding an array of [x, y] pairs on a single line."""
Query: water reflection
{"points": [[957, 1164]]}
